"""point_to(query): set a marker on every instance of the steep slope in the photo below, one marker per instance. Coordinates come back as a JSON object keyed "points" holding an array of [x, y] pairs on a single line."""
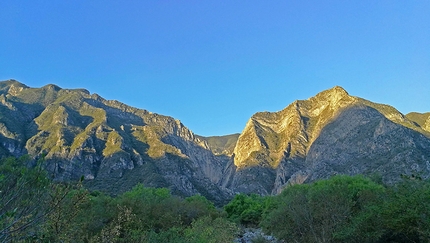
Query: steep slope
{"points": [[113, 146], [421, 120], [363, 141], [269, 137], [221, 145], [274, 147]]}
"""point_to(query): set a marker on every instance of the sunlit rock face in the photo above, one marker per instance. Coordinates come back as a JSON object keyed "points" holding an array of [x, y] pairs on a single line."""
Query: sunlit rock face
{"points": [[114, 146], [427, 124], [270, 137], [278, 148]]}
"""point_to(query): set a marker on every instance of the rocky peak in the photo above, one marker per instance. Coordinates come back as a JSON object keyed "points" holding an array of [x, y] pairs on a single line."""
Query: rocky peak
{"points": [[274, 136], [333, 99], [324, 135], [336, 90], [421, 120], [12, 87], [52, 87]]}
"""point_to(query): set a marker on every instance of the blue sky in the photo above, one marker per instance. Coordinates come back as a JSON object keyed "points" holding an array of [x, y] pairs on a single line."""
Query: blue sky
{"points": [[212, 64]]}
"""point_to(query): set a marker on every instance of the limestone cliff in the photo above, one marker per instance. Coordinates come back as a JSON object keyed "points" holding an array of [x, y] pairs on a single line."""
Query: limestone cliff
{"points": [[270, 137], [276, 148]]}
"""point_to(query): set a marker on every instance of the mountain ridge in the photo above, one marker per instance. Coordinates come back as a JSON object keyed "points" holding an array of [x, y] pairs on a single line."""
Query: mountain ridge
{"points": [[115, 146], [282, 140]]}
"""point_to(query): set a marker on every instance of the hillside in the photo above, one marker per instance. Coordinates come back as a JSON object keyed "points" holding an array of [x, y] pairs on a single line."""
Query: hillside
{"points": [[326, 135], [114, 146]]}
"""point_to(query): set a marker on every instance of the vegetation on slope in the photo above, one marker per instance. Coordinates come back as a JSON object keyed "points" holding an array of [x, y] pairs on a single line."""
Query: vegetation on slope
{"points": [[34, 209], [340, 209]]}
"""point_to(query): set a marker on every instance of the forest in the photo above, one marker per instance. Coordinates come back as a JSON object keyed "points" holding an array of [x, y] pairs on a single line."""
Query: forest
{"points": [[343, 208]]}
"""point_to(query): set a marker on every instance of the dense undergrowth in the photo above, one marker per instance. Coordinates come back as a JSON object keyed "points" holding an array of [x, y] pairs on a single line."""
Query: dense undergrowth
{"points": [[341, 209]]}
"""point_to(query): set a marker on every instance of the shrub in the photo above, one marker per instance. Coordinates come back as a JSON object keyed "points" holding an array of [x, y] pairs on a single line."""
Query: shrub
{"points": [[324, 211], [246, 209]]}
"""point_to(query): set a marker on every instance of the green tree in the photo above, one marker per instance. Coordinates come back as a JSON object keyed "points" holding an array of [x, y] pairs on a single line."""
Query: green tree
{"points": [[154, 215], [324, 211], [34, 208], [22, 196], [405, 212], [156, 208], [208, 230], [246, 209], [64, 203], [96, 214]]}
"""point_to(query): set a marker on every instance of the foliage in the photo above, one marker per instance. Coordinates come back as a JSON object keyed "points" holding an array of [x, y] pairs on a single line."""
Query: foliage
{"points": [[340, 209], [22, 193], [147, 215], [34, 207], [64, 203], [246, 209], [351, 209], [406, 212], [208, 230], [321, 211]]}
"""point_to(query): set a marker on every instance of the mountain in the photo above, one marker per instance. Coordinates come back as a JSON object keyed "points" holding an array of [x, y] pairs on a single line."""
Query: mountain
{"points": [[115, 146], [328, 134], [112, 145]]}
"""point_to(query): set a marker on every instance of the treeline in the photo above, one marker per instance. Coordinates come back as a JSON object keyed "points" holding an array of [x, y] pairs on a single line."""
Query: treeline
{"points": [[341, 209], [35, 209]]}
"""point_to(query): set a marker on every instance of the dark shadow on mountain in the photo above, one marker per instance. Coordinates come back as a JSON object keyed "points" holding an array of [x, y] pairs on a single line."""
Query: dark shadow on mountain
{"points": [[361, 140]]}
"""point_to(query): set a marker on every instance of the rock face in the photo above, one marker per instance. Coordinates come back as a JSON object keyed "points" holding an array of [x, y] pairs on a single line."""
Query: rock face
{"points": [[115, 146], [112, 145], [269, 137], [366, 142], [328, 134]]}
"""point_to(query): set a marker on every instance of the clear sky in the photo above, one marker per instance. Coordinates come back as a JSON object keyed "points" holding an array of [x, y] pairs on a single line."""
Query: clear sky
{"points": [[212, 64]]}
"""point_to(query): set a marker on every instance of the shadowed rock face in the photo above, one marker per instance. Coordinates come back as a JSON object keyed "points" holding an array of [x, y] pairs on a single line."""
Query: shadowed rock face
{"points": [[363, 141], [115, 146]]}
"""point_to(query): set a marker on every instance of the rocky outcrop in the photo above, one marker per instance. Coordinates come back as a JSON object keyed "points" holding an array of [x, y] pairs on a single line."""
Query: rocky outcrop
{"points": [[270, 137]]}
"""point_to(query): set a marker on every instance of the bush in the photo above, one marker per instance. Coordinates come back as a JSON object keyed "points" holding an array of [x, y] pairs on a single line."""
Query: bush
{"points": [[208, 230], [324, 211], [23, 192], [405, 212], [34, 208], [152, 215], [246, 209]]}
